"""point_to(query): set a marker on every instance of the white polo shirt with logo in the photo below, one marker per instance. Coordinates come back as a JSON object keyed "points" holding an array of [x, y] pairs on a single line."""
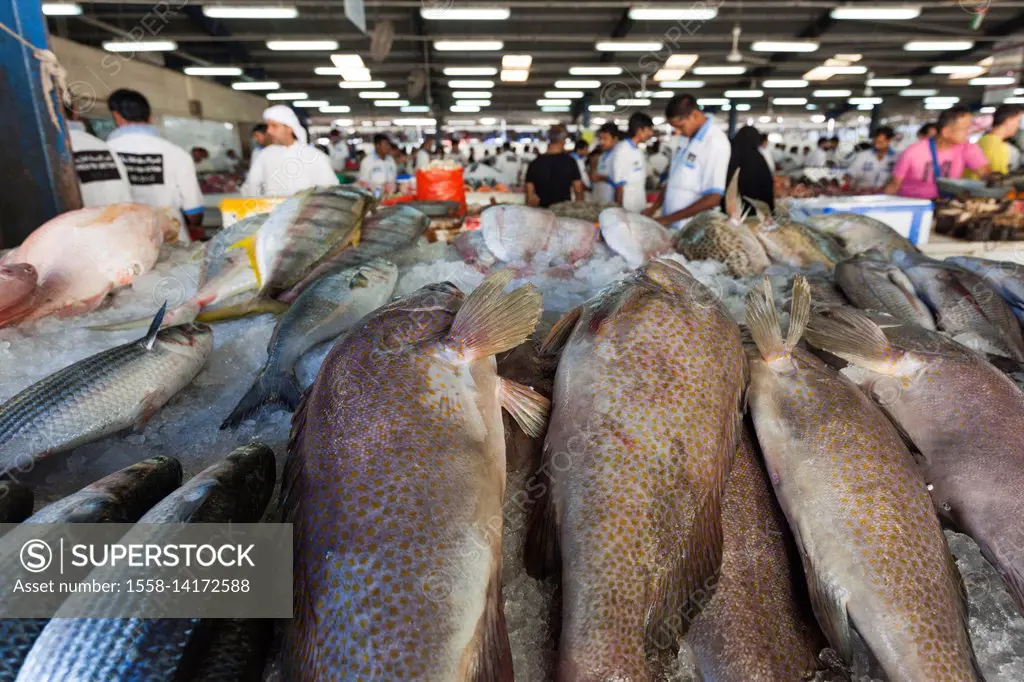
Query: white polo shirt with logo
{"points": [[160, 172], [867, 171], [629, 171], [699, 166], [101, 175], [376, 172]]}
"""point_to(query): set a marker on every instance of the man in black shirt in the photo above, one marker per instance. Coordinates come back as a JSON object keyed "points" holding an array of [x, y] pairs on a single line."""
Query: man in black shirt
{"points": [[553, 176]]}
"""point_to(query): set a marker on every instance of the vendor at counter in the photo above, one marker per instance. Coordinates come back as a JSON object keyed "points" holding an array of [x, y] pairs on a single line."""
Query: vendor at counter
{"points": [[160, 173], [872, 168], [945, 155], [378, 170], [697, 174], [289, 164]]}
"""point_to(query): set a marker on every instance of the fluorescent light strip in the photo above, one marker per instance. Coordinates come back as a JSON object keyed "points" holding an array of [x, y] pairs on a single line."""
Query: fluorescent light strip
{"points": [[579, 84], [669, 74], [328, 71], [672, 14], [555, 110], [472, 94], [465, 13], [140, 46], [212, 71], [638, 102], [356, 75], [912, 92], [311, 103], [889, 82], [552, 102], [595, 70], [468, 45], [865, 100], [628, 46], [287, 95], [876, 13], [335, 109], [256, 85], [832, 93], [1014, 100], [744, 94], [516, 61], [993, 80], [601, 107], [378, 94], [785, 46], [361, 85], [391, 103], [470, 84], [938, 45], [514, 75], [416, 109], [463, 109], [470, 71], [742, 106], [784, 83], [719, 70], [790, 101], [301, 45], [691, 85], [958, 69], [241, 12], [570, 94], [348, 61], [61, 9], [712, 102]]}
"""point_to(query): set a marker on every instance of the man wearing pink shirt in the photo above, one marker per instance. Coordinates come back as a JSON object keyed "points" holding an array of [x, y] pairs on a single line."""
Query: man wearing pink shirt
{"points": [[948, 152]]}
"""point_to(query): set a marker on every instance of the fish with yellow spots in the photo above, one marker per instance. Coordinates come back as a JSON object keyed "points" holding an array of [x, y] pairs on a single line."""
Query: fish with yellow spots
{"points": [[937, 390], [874, 555], [756, 627], [394, 482], [644, 427]]}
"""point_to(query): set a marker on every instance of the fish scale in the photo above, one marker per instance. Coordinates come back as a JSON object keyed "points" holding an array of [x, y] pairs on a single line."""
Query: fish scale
{"points": [[636, 470]]}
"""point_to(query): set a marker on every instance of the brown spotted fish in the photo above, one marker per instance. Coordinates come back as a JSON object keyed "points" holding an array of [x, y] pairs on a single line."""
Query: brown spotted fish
{"points": [[725, 238], [938, 391], [874, 555], [394, 483], [645, 422], [756, 627]]}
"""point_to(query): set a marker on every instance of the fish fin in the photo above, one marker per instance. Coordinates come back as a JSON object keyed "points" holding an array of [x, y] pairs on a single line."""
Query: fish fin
{"points": [[492, 660], [561, 331], [270, 388], [529, 408], [799, 312], [761, 209], [358, 281], [490, 321], [248, 244], [854, 338], [763, 322], [733, 205], [829, 605], [182, 314], [541, 551], [256, 306], [150, 338]]}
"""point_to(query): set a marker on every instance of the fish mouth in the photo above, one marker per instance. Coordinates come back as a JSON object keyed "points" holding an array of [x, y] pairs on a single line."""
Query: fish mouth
{"points": [[17, 271]]}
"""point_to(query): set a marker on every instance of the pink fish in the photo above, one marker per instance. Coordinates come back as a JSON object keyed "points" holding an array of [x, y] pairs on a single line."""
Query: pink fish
{"points": [[16, 282], [81, 256]]}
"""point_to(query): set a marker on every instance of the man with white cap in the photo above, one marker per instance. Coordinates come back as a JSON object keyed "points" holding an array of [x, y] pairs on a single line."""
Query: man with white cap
{"points": [[289, 164]]}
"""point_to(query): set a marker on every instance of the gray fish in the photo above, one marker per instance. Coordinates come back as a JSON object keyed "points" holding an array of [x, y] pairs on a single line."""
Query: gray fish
{"points": [[1006, 276], [874, 284], [936, 390], [236, 489], [875, 559], [102, 394], [15, 502], [963, 302], [329, 307], [121, 497], [858, 233], [384, 232]]}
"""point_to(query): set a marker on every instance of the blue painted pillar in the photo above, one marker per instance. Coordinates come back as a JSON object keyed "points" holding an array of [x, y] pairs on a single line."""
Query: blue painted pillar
{"points": [[37, 176]]}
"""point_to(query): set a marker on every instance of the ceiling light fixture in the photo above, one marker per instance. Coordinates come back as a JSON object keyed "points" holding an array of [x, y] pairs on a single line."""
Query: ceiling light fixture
{"points": [[601, 107], [140, 45], [691, 85], [348, 61], [242, 12], [391, 103], [785, 46], [636, 102], [876, 13], [712, 102], [570, 94], [784, 83], [336, 109], [629, 46], [832, 93], [865, 100], [938, 45], [61, 9], [514, 75], [256, 85], [449, 13], [642, 13], [790, 101], [311, 103], [579, 84], [379, 94], [889, 82], [918, 92], [719, 70], [463, 109], [212, 71], [301, 45], [361, 85], [470, 71], [993, 80], [472, 94], [743, 94], [468, 45], [470, 84], [553, 102], [595, 70], [416, 109], [287, 95], [668, 74]]}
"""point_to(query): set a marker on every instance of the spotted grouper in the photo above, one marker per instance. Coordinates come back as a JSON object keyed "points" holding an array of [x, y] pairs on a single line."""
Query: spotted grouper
{"points": [[644, 427], [876, 562], [394, 483]]}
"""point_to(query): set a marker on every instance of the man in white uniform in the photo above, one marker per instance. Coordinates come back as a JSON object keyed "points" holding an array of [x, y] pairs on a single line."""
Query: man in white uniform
{"points": [[423, 153], [607, 137], [338, 149], [378, 170], [160, 173], [102, 177], [508, 165], [819, 157], [872, 168], [696, 177], [579, 154], [289, 164], [629, 165]]}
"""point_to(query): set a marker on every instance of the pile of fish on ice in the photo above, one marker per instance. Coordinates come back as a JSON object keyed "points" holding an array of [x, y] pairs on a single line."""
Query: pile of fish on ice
{"points": [[652, 482]]}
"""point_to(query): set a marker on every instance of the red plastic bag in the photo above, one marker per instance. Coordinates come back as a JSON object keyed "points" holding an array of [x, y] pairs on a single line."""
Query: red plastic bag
{"points": [[441, 184]]}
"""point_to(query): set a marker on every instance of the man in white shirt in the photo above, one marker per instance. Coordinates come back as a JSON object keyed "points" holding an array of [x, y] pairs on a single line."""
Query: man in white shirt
{"points": [[338, 149], [629, 164], [102, 177], [289, 164], [423, 153], [378, 170], [607, 137], [872, 168], [819, 157], [696, 176], [579, 153], [508, 165], [160, 173]]}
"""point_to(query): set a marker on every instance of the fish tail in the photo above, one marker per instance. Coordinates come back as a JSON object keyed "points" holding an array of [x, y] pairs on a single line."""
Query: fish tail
{"points": [[254, 307], [763, 322], [270, 388], [248, 244], [491, 322], [854, 338]]}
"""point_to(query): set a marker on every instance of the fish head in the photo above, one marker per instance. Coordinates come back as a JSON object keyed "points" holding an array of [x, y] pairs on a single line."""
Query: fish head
{"points": [[194, 339], [18, 274], [424, 315]]}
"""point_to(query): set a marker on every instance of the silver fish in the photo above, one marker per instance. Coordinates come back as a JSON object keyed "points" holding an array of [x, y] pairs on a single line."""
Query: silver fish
{"points": [[102, 394], [874, 284], [859, 233], [326, 309], [1006, 276], [103, 649]]}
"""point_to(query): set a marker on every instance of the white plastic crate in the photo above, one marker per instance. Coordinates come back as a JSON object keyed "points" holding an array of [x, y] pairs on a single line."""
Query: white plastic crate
{"points": [[912, 218]]}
